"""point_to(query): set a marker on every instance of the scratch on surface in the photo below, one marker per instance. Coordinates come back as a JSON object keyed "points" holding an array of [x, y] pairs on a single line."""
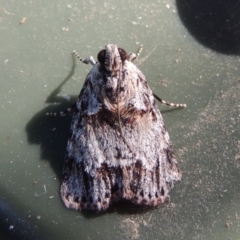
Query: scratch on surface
{"points": [[45, 191]]}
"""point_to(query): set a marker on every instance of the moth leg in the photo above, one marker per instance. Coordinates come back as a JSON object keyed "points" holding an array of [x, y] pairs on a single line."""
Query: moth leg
{"points": [[87, 60], [62, 113], [178, 105], [133, 56]]}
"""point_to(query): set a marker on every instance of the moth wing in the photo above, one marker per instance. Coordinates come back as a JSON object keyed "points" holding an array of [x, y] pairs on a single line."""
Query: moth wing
{"points": [[104, 164], [81, 187], [88, 102], [156, 169]]}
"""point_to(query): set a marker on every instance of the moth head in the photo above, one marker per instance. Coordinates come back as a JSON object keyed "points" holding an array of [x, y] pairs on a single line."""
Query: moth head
{"points": [[112, 57]]}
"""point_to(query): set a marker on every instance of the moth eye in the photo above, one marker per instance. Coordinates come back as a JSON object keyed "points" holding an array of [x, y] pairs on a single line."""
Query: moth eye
{"points": [[123, 54], [101, 56]]}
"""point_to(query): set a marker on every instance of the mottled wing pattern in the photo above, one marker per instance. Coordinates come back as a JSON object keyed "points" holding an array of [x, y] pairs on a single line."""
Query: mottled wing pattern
{"points": [[107, 161]]}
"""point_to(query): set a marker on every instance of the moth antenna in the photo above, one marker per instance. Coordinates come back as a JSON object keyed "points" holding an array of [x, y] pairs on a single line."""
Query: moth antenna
{"points": [[139, 50], [133, 56], [87, 60], [78, 57], [62, 113], [178, 105]]}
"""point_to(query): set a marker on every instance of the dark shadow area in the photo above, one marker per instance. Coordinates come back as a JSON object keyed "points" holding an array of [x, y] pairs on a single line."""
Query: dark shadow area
{"points": [[14, 224], [213, 23], [51, 133], [121, 207]]}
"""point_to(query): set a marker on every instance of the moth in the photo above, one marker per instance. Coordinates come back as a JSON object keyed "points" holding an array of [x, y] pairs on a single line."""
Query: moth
{"points": [[118, 147]]}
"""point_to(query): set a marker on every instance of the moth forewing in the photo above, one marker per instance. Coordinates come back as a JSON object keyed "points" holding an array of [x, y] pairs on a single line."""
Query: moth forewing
{"points": [[118, 147]]}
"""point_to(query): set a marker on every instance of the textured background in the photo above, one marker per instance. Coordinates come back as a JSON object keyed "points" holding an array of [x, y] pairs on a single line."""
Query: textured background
{"points": [[186, 59]]}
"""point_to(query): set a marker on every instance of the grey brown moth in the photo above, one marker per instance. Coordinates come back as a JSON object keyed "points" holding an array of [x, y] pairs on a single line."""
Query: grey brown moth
{"points": [[118, 146]]}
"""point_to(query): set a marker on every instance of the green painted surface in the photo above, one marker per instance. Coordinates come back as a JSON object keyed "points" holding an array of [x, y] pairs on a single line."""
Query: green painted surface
{"points": [[35, 58]]}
